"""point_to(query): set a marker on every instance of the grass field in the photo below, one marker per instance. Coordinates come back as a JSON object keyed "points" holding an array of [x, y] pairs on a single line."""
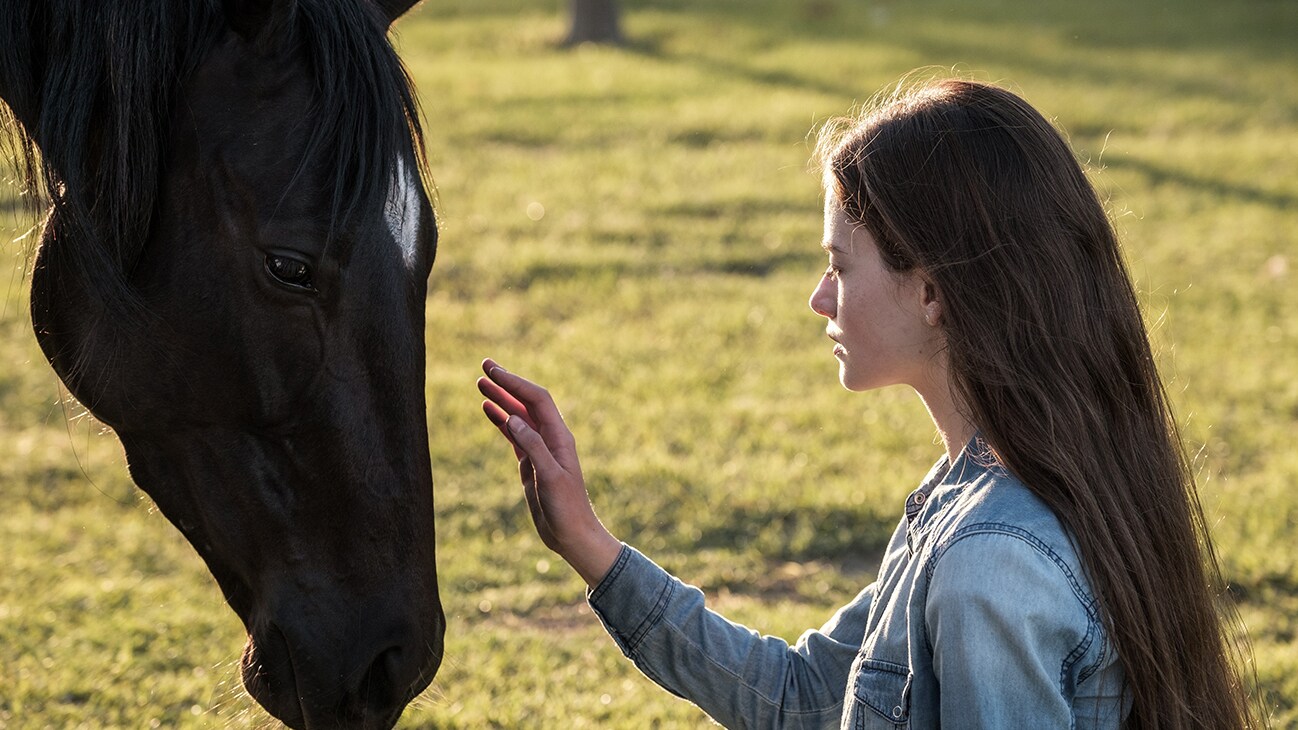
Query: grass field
{"points": [[638, 229]]}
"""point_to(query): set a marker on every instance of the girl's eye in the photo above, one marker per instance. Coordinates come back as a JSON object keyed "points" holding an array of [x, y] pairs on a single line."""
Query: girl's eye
{"points": [[832, 272], [289, 271]]}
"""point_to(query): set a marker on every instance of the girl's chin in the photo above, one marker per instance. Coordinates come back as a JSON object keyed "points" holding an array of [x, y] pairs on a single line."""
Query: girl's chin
{"points": [[850, 380], [859, 382]]}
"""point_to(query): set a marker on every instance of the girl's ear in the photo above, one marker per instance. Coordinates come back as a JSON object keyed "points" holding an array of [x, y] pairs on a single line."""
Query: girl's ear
{"points": [[930, 303]]}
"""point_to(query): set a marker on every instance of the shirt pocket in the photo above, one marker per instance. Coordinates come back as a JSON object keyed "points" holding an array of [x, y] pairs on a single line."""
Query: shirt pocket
{"points": [[882, 694]]}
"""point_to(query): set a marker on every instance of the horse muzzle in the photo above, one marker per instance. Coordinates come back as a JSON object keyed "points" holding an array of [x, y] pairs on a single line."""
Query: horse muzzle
{"points": [[358, 674]]}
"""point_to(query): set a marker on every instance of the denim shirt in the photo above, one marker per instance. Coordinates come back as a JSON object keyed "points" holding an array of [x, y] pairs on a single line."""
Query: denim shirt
{"points": [[981, 617]]}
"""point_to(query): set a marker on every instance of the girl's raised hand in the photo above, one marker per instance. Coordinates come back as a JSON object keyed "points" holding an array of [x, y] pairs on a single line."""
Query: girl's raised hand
{"points": [[550, 472]]}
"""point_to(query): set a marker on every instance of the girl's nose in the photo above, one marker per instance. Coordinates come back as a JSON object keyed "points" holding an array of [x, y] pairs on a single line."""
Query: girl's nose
{"points": [[823, 299]]}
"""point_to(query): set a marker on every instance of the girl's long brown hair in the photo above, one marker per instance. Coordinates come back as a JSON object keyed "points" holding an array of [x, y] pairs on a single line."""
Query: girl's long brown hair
{"points": [[968, 184]]}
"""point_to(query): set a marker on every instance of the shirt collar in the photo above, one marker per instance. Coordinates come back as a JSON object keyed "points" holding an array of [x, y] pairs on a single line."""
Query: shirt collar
{"points": [[975, 458]]}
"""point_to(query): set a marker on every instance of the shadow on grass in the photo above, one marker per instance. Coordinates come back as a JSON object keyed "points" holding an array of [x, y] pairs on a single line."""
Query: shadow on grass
{"points": [[1254, 31], [1090, 42], [1162, 174], [802, 532], [850, 539], [754, 261]]}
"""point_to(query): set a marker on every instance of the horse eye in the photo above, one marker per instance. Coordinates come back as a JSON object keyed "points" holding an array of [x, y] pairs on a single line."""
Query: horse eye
{"points": [[289, 271]]}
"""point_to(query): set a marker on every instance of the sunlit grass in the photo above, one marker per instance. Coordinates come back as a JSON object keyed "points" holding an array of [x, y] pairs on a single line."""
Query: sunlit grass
{"points": [[637, 228]]}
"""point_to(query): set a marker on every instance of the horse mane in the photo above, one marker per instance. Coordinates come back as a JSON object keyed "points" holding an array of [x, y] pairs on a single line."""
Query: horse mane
{"points": [[91, 86]]}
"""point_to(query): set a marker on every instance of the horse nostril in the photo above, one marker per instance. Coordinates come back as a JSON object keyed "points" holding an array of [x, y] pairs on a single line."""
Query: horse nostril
{"points": [[388, 679], [383, 669], [269, 676]]}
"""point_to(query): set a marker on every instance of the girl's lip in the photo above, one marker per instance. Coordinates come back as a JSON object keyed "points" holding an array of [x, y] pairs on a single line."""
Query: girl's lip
{"points": [[839, 350]]}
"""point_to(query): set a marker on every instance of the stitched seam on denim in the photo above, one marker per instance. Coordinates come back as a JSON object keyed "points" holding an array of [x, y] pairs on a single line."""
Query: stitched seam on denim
{"points": [[993, 528], [1077, 653], [836, 708], [1080, 593], [655, 615], [1087, 672], [884, 666]]}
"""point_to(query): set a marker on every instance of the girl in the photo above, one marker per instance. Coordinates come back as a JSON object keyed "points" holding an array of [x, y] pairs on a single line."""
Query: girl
{"points": [[1053, 568]]}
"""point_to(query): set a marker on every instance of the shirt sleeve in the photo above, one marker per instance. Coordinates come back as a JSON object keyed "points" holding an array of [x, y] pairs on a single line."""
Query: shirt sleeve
{"points": [[1008, 621], [740, 678]]}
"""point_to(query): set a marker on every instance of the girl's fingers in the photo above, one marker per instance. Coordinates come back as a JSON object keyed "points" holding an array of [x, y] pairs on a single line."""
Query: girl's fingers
{"points": [[521, 398], [527, 439], [536, 400], [502, 398], [498, 418]]}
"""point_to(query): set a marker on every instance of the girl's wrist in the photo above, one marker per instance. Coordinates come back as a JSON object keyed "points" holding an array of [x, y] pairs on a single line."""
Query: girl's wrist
{"points": [[593, 555]]}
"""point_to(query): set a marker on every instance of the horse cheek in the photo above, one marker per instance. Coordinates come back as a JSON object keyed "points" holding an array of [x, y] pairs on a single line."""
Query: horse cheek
{"points": [[84, 338]]}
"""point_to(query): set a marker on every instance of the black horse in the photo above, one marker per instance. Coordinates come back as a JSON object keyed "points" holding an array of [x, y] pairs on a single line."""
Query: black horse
{"points": [[232, 275]]}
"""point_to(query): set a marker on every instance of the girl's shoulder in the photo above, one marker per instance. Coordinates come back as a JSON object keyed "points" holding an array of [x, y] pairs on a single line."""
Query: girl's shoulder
{"points": [[1002, 585], [994, 536]]}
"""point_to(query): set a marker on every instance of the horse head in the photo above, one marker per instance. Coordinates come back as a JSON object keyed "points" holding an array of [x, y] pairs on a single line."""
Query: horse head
{"points": [[233, 277]]}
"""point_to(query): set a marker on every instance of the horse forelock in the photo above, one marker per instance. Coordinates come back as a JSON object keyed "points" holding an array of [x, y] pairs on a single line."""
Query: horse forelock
{"points": [[104, 76], [368, 121]]}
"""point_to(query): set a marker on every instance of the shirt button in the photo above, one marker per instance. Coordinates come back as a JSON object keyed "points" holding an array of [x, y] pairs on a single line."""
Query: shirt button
{"points": [[919, 498], [896, 712]]}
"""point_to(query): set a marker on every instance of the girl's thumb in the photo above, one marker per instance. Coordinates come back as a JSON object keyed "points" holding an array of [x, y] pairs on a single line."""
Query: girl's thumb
{"points": [[527, 439], [523, 436]]}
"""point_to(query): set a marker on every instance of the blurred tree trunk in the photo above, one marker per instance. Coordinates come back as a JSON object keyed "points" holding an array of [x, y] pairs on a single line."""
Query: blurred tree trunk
{"points": [[594, 21]]}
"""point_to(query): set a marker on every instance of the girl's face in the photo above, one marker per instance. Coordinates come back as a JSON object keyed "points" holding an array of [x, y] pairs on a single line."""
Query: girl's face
{"points": [[877, 316]]}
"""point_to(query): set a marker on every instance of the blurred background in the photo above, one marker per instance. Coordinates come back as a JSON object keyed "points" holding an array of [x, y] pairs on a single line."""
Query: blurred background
{"points": [[637, 227]]}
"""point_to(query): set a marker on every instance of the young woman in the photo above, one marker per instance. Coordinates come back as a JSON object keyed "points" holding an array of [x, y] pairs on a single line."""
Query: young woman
{"points": [[1053, 568]]}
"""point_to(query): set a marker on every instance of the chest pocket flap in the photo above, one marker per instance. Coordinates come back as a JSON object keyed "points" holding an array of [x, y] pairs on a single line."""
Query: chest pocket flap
{"points": [[883, 689]]}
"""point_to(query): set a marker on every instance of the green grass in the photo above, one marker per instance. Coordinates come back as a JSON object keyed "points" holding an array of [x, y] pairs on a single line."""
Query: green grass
{"points": [[662, 298]]}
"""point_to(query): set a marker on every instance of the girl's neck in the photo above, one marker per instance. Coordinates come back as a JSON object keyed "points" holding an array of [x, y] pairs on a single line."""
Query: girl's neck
{"points": [[947, 413]]}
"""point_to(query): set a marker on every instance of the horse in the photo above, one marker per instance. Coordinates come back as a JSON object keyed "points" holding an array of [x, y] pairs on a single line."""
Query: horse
{"points": [[232, 275]]}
